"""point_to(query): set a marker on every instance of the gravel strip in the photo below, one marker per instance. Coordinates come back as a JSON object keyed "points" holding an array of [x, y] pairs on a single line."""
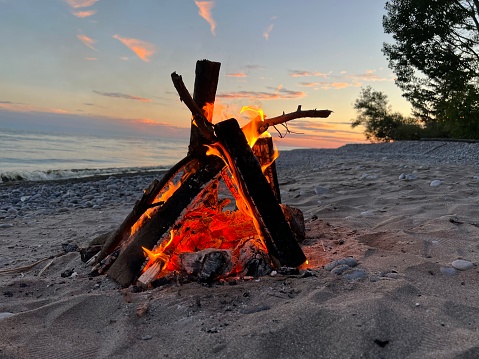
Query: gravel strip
{"points": [[29, 199]]}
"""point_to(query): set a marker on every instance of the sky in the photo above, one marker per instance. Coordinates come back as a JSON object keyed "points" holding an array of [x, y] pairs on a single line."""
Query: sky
{"points": [[104, 66]]}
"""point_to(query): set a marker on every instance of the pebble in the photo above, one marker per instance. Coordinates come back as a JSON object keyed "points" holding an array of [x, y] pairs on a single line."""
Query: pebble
{"points": [[448, 271], [435, 183], [4, 315], [407, 177], [321, 190], [341, 265], [356, 274], [461, 264]]}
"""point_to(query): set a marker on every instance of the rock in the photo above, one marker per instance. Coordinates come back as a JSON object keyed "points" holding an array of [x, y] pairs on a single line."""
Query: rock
{"points": [[340, 269], [448, 271], [321, 190], [461, 264], [435, 183], [350, 261], [331, 265], [6, 225], [356, 274], [4, 315]]}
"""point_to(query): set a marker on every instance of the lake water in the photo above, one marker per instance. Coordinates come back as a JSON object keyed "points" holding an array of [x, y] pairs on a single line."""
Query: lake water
{"points": [[44, 156]]}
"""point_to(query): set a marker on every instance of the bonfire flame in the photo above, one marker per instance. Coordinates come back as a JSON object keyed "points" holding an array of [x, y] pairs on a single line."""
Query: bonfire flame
{"points": [[204, 227]]}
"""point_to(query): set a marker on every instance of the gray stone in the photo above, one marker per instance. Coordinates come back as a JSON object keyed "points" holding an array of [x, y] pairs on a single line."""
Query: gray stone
{"points": [[435, 183], [462, 264], [448, 271], [340, 269], [356, 274]]}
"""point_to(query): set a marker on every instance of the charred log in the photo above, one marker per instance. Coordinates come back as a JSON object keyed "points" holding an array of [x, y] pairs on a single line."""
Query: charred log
{"points": [[278, 237]]}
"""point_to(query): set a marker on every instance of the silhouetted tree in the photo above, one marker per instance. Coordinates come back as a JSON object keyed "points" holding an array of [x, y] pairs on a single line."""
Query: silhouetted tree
{"points": [[435, 56], [381, 124]]}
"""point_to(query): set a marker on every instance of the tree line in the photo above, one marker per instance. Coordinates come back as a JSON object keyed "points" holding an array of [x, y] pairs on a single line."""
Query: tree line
{"points": [[435, 57]]}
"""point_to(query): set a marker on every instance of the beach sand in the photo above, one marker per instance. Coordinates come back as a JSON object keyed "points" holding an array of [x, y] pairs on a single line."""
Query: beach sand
{"points": [[374, 203]]}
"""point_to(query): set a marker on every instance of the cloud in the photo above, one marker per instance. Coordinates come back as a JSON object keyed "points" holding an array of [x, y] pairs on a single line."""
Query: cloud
{"points": [[254, 67], [205, 12], [262, 95], [87, 41], [268, 31], [329, 85], [298, 73], [239, 74], [122, 95], [20, 107], [368, 76], [82, 14], [77, 4], [144, 50]]}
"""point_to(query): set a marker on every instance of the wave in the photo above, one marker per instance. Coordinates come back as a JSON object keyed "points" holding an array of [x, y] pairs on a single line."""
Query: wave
{"points": [[50, 175]]}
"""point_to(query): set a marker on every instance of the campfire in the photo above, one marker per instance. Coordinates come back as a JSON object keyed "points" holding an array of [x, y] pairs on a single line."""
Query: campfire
{"points": [[217, 213]]}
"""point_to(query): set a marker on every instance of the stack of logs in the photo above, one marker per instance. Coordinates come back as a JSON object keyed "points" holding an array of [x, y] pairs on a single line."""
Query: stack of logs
{"points": [[122, 256]]}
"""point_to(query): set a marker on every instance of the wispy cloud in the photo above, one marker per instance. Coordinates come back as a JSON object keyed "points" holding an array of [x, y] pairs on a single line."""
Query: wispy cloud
{"points": [[20, 107], [77, 4], [87, 41], [329, 85], [144, 50], [90, 59], [205, 12], [122, 95], [268, 31], [82, 14], [300, 73], [238, 74], [369, 75], [277, 94]]}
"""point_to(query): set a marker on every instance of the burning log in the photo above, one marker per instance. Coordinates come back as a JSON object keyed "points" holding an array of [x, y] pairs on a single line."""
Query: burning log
{"points": [[264, 151], [278, 237], [205, 241]]}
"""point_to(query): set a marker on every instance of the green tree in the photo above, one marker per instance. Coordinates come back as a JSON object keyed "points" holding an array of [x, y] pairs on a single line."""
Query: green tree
{"points": [[381, 124], [435, 56]]}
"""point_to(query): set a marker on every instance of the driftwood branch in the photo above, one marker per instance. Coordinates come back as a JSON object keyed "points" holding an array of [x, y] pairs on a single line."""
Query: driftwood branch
{"points": [[207, 129], [201, 121], [285, 117]]}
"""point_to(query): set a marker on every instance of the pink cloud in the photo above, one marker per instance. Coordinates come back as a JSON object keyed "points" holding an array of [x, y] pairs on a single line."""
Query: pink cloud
{"points": [[87, 41], [82, 14], [239, 74], [76, 4], [205, 12], [268, 31], [144, 50], [298, 73]]}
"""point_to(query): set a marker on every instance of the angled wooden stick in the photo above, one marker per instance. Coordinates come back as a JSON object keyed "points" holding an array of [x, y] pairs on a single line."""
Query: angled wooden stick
{"points": [[201, 121], [207, 129]]}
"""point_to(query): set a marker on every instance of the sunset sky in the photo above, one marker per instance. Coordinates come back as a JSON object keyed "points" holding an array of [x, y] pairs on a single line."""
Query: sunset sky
{"points": [[104, 66]]}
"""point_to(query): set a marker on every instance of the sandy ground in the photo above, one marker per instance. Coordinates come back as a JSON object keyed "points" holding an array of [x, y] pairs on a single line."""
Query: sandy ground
{"points": [[403, 300]]}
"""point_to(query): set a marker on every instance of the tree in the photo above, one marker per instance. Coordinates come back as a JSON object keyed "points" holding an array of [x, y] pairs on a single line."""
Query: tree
{"points": [[380, 122], [435, 56]]}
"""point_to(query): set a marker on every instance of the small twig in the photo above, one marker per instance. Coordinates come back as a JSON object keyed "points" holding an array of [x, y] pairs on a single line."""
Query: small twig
{"points": [[46, 267], [27, 267], [324, 248]]}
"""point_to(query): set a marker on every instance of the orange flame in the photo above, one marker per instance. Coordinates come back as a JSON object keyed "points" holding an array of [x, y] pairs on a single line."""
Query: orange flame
{"points": [[252, 129]]}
